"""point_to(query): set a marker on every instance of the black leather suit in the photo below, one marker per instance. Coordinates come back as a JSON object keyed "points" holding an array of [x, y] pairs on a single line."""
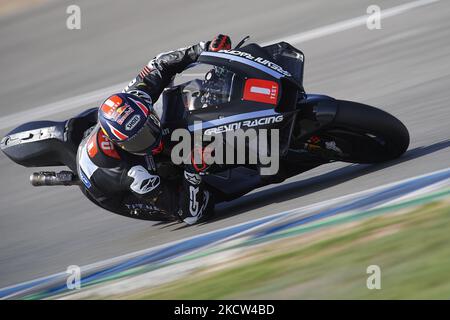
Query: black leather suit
{"points": [[137, 186]]}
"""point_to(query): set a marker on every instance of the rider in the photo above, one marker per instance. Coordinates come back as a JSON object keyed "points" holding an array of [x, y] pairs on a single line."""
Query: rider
{"points": [[118, 159]]}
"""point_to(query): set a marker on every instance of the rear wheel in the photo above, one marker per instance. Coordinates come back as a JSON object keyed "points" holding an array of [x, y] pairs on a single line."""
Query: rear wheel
{"points": [[364, 134]]}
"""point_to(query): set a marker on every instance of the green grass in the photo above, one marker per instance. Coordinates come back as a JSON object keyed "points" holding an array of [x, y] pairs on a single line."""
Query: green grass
{"points": [[412, 250]]}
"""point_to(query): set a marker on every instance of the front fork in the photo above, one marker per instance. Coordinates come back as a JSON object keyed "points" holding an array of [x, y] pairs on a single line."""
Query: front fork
{"points": [[315, 113]]}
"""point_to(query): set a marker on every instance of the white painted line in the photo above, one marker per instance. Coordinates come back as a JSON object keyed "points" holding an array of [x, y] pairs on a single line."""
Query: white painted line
{"points": [[76, 102], [58, 107], [423, 191], [351, 23]]}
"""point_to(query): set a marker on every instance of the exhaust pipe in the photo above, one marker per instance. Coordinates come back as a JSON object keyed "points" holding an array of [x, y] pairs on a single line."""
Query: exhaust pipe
{"points": [[50, 178]]}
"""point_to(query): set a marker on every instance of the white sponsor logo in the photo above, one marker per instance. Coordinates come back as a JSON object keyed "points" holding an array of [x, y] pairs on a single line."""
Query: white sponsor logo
{"points": [[155, 119], [132, 123], [331, 145], [192, 178], [107, 145], [193, 203], [259, 60], [146, 208], [260, 90], [132, 82], [199, 212], [143, 181], [141, 94]]}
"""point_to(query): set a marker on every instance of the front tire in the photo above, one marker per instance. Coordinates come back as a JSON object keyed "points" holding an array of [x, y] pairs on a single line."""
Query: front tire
{"points": [[366, 134]]}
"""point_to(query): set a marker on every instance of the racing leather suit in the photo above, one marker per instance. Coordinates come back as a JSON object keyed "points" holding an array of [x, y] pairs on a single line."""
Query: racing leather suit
{"points": [[132, 185]]}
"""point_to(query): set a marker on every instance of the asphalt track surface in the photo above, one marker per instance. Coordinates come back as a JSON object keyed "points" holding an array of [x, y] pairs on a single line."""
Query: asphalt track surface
{"points": [[403, 68]]}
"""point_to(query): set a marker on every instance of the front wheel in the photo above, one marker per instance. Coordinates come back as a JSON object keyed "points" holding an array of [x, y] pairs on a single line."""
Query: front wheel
{"points": [[363, 134]]}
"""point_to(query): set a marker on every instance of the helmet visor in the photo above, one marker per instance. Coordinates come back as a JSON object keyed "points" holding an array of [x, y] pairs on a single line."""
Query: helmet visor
{"points": [[144, 140]]}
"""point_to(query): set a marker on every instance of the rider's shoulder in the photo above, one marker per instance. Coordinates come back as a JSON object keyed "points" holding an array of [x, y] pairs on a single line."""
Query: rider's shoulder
{"points": [[101, 150]]}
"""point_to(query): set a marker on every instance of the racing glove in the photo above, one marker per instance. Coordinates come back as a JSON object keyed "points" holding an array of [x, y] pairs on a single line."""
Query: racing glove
{"points": [[220, 42]]}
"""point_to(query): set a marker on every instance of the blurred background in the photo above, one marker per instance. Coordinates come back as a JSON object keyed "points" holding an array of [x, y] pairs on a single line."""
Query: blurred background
{"points": [[403, 68]]}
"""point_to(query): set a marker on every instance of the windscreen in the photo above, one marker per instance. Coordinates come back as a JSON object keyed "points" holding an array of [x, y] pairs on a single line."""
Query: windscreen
{"points": [[203, 85]]}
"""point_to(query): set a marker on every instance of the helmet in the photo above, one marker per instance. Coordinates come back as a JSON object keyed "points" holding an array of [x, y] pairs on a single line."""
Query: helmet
{"points": [[130, 123]]}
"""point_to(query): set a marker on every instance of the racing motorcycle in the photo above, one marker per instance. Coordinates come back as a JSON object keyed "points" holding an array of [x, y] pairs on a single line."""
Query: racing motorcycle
{"points": [[225, 90]]}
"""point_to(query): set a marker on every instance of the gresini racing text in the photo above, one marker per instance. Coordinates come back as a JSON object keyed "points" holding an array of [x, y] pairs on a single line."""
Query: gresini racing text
{"points": [[244, 124]]}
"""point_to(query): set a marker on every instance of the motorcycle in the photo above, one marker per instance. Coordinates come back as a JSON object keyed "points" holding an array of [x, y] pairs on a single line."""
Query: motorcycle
{"points": [[255, 84]]}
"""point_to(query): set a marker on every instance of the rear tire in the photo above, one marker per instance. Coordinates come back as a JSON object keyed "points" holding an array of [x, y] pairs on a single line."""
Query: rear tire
{"points": [[367, 134]]}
